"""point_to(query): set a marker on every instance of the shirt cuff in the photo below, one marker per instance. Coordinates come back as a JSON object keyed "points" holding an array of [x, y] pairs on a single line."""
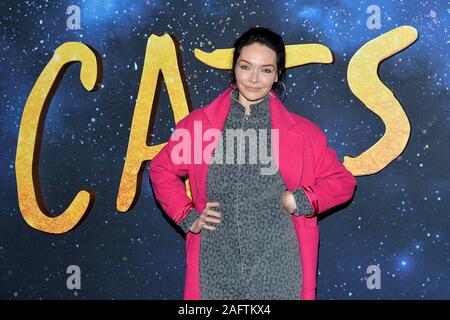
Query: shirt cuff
{"points": [[189, 220], [304, 207]]}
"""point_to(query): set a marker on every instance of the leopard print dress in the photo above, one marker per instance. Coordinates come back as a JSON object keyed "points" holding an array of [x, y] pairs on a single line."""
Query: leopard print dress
{"points": [[254, 252]]}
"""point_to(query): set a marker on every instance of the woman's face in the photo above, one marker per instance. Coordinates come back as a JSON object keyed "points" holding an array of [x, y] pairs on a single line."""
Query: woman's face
{"points": [[255, 72]]}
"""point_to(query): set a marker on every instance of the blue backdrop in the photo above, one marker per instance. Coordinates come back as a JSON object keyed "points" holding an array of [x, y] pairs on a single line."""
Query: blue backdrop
{"points": [[398, 220]]}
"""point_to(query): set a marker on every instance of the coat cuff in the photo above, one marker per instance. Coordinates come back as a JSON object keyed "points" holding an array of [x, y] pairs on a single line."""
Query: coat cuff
{"points": [[189, 220], [304, 206]]}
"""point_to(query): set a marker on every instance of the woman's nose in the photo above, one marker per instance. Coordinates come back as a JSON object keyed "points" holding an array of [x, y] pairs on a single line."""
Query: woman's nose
{"points": [[254, 76]]}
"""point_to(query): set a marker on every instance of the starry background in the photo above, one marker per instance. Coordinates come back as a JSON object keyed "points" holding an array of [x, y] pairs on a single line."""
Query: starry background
{"points": [[399, 218]]}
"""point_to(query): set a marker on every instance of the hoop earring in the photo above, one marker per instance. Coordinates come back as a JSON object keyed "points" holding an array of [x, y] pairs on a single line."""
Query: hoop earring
{"points": [[284, 91]]}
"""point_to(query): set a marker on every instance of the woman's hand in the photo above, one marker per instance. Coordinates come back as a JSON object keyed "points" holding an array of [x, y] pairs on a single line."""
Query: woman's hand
{"points": [[287, 200], [200, 223]]}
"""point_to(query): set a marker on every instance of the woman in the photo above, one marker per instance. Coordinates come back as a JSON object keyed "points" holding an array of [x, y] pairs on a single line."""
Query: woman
{"points": [[250, 233]]}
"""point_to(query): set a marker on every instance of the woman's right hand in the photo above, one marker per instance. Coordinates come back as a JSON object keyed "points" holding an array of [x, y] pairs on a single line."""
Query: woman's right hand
{"points": [[200, 223]]}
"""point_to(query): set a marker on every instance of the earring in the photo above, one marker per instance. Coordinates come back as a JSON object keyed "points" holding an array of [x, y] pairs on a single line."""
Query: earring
{"points": [[284, 87], [284, 91]]}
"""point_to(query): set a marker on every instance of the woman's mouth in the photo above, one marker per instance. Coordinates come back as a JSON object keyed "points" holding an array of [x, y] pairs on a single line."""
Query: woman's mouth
{"points": [[252, 89]]}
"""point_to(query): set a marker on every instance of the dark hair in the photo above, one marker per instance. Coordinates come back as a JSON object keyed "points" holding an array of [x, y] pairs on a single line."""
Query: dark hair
{"points": [[265, 37]]}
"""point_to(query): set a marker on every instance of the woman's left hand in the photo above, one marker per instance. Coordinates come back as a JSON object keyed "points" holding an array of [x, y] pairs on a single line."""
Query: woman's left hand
{"points": [[288, 202]]}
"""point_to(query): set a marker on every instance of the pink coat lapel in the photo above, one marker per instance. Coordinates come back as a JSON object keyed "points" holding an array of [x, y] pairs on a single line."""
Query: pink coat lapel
{"points": [[291, 142]]}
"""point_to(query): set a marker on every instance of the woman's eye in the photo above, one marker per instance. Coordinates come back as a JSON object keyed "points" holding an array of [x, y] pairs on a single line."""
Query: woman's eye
{"points": [[244, 67], [267, 70]]}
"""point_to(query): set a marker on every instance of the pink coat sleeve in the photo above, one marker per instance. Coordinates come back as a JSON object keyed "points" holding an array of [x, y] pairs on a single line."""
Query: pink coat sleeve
{"points": [[165, 177], [334, 184]]}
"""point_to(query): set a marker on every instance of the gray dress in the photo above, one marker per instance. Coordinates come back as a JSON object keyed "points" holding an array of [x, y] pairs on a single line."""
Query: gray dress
{"points": [[254, 252]]}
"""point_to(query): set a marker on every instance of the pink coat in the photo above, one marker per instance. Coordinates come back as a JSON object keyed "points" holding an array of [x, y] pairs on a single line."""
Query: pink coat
{"points": [[305, 160]]}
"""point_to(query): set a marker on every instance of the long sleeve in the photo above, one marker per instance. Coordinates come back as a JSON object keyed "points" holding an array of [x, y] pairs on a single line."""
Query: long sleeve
{"points": [[187, 222], [165, 176], [303, 205], [334, 184]]}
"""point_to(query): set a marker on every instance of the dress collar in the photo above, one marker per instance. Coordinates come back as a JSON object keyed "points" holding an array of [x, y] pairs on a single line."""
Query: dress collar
{"points": [[259, 110]]}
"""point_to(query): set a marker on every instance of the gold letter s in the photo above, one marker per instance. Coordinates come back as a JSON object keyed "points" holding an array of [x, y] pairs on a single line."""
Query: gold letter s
{"points": [[364, 83]]}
